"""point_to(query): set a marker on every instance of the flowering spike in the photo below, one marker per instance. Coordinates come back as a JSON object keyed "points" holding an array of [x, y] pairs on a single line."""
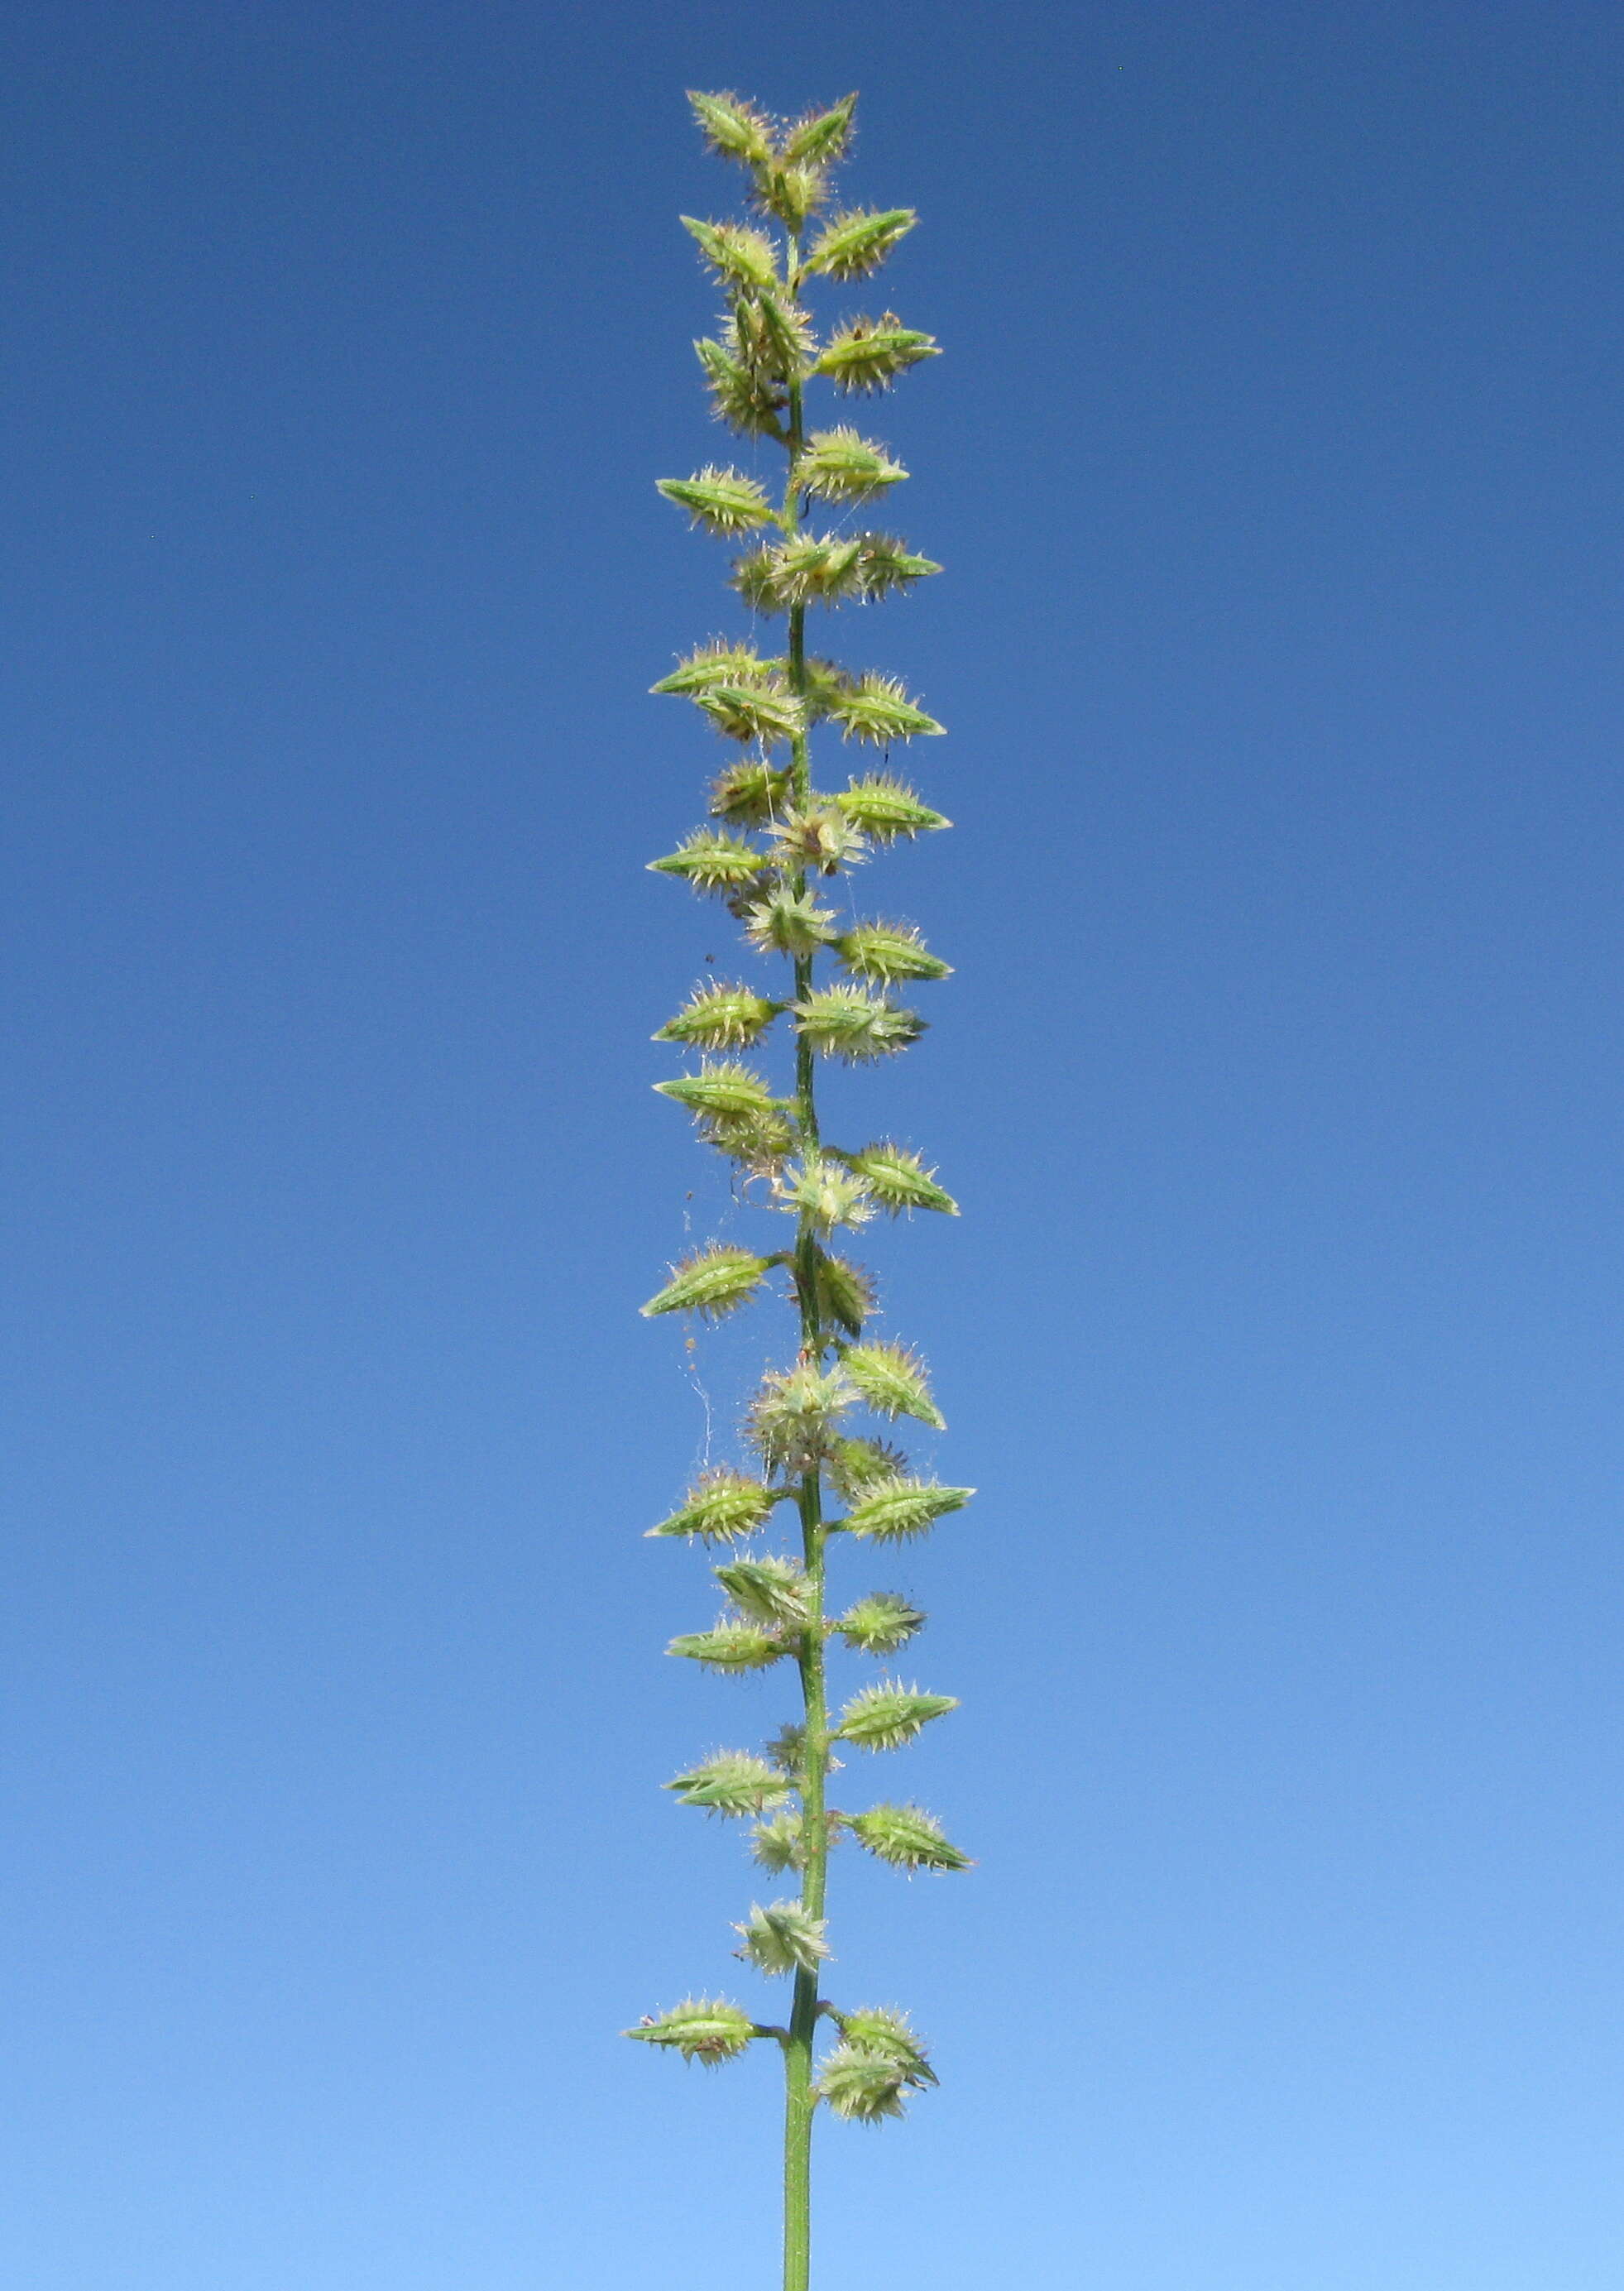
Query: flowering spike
{"points": [[772, 845], [885, 1716], [906, 1837], [782, 1938], [701, 2029]]}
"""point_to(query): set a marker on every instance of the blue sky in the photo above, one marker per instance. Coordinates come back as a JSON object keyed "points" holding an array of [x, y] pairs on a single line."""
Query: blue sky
{"points": [[1275, 465]]}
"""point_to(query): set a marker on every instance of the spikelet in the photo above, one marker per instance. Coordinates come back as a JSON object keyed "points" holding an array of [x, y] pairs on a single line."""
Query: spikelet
{"points": [[782, 1938], [899, 1180], [893, 1507], [701, 2029], [731, 1783], [889, 952], [869, 354], [838, 465], [906, 1837], [887, 808], [720, 1017], [723, 501], [892, 1380], [713, 1282], [721, 1507], [851, 245], [879, 1623], [733, 1645], [885, 1716]]}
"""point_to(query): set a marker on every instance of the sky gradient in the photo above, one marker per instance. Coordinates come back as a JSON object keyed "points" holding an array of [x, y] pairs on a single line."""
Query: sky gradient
{"points": [[1274, 462]]}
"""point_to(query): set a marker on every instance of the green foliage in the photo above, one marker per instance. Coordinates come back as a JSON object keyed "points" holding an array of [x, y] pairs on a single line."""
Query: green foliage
{"points": [[885, 1716], [701, 2029]]}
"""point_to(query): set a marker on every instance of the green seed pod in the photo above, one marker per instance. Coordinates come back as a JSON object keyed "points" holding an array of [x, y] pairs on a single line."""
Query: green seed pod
{"points": [[826, 1193], [906, 1837], [845, 1293], [886, 808], [771, 1591], [796, 1415], [889, 952], [703, 2029], [720, 1017], [751, 711], [856, 1466], [740, 256], [868, 354], [879, 2029], [899, 1180], [862, 2087], [724, 501], [879, 1623], [714, 1282], [850, 1024], [821, 136], [779, 1844], [723, 1089], [732, 129], [854, 245], [892, 1380], [731, 1647], [710, 862], [731, 1783], [721, 1507], [782, 1938], [788, 922], [738, 397], [838, 465], [718, 662], [877, 709], [892, 1509], [885, 1716]]}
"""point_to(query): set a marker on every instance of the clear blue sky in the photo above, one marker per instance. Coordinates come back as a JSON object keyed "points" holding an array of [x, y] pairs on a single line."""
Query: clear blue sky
{"points": [[1275, 464]]}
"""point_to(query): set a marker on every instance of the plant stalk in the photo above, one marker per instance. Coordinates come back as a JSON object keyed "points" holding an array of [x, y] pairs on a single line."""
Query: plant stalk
{"points": [[799, 2101]]}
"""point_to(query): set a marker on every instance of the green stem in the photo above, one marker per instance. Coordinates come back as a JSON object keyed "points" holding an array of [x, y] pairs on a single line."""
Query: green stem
{"points": [[799, 2101]]}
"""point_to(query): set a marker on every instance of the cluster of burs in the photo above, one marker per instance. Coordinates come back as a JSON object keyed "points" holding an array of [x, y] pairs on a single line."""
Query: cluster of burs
{"points": [[774, 849]]}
